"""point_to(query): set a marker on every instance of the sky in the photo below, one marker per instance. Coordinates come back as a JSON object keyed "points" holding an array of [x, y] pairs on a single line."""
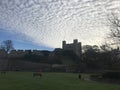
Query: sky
{"points": [[44, 24]]}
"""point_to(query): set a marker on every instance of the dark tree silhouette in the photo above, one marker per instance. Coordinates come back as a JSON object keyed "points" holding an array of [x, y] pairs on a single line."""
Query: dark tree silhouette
{"points": [[106, 47], [114, 23], [7, 46], [90, 56], [87, 48]]}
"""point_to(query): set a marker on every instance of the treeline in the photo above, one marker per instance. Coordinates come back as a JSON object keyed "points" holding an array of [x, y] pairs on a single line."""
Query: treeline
{"points": [[92, 57], [55, 57], [95, 57]]}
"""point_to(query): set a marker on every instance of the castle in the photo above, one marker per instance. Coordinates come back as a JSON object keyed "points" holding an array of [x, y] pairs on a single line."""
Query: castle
{"points": [[18, 59], [75, 47]]}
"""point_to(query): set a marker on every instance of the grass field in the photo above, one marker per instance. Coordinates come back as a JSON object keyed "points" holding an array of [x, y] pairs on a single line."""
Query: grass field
{"points": [[49, 81]]}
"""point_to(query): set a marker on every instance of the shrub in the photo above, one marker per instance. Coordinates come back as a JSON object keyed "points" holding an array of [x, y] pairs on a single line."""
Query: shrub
{"points": [[111, 75], [96, 76]]}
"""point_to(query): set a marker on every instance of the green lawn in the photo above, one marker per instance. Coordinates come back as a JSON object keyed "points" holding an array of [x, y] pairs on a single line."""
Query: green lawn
{"points": [[49, 81]]}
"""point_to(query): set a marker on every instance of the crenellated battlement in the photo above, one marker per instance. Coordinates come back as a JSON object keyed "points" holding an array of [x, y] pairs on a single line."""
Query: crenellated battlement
{"points": [[75, 47]]}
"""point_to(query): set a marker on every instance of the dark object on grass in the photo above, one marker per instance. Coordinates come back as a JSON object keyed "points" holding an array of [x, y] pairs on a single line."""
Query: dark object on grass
{"points": [[79, 76], [37, 74]]}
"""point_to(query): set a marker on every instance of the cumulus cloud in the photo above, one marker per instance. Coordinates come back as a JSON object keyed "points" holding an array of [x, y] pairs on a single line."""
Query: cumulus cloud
{"points": [[48, 22]]}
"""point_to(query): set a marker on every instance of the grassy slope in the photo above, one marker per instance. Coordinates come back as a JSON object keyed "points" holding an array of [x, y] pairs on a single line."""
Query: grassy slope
{"points": [[49, 81]]}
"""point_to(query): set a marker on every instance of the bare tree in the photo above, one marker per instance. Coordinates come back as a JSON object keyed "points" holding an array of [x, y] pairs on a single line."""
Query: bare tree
{"points": [[106, 47], [7, 46], [114, 22], [94, 48]]}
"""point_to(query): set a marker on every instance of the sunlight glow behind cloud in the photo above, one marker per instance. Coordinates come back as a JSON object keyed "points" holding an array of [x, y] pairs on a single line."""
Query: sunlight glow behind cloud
{"points": [[48, 22]]}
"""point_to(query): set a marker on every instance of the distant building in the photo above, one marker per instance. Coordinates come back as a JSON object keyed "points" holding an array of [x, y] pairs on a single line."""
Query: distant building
{"points": [[22, 53], [75, 47]]}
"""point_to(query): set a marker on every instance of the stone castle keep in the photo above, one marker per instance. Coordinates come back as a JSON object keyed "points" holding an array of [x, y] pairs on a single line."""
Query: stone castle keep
{"points": [[75, 47]]}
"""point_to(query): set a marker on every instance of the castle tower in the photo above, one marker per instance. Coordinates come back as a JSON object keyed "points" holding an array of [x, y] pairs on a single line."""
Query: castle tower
{"points": [[63, 44], [75, 47], [75, 41]]}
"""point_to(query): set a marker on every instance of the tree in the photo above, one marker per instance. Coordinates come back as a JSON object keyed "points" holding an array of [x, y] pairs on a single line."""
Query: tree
{"points": [[111, 48], [114, 23], [7, 46], [85, 48], [93, 48], [91, 56], [106, 47]]}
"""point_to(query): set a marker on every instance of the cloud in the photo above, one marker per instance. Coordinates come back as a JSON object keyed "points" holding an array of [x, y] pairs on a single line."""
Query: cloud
{"points": [[48, 22]]}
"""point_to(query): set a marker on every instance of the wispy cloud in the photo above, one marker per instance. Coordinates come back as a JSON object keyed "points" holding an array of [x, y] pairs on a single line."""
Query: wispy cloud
{"points": [[48, 22]]}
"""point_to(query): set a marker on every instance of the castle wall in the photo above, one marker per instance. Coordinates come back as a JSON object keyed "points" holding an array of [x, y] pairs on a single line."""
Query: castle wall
{"points": [[22, 53], [37, 52]]}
